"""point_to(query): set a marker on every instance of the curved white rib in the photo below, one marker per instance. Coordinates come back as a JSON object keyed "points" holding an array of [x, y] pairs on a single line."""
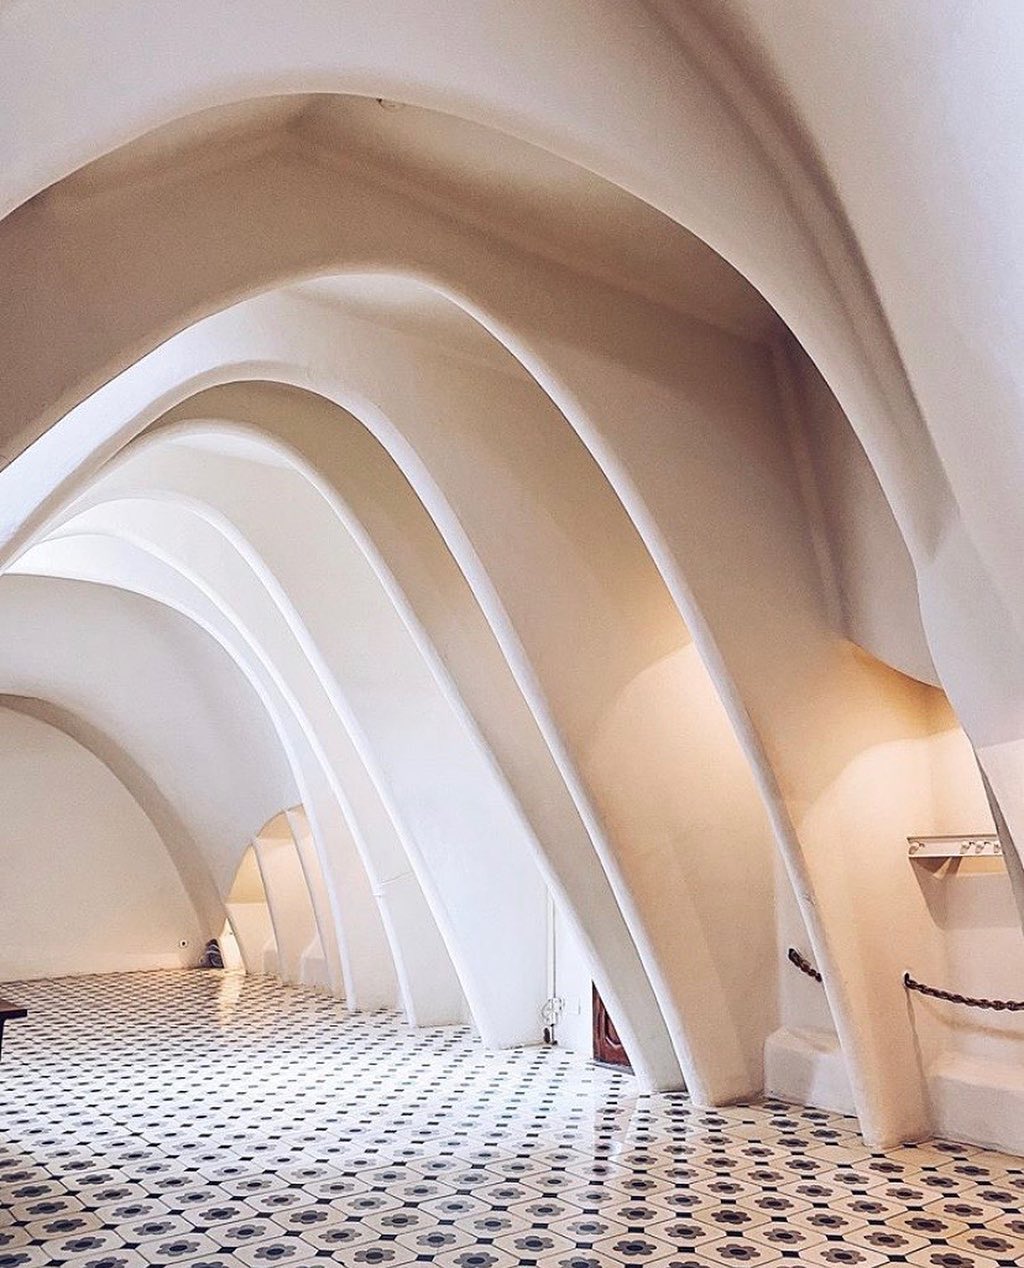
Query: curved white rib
{"points": [[431, 994], [714, 1069], [489, 901]]}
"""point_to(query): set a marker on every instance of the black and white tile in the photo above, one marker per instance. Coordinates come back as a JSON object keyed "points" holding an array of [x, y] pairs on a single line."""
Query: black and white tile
{"points": [[207, 1120]]}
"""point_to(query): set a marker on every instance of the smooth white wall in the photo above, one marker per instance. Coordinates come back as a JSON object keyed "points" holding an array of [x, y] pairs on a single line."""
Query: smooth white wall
{"points": [[869, 569], [320, 896], [832, 821], [457, 810], [148, 677], [573, 982], [88, 886], [249, 914], [962, 934], [300, 955]]}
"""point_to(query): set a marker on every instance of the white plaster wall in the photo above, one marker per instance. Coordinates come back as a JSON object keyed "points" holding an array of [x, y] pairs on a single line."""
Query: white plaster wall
{"points": [[371, 943], [838, 746], [300, 956], [148, 677], [965, 930], [447, 611], [628, 398], [869, 570], [847, 810], [573, 980], [458, 823], [919, 151], [591, 900], [88, 886], [249, 914], [770, 476], [590, 612], [434, 995], [974, 1075], [463, 832], [320, 896]]}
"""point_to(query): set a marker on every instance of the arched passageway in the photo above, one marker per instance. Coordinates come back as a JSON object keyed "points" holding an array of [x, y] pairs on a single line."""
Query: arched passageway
{"points": [[550, 561]]}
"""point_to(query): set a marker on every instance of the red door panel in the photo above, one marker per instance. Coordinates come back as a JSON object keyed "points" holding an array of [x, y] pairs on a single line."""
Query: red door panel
{"points": [[608, 1047]]}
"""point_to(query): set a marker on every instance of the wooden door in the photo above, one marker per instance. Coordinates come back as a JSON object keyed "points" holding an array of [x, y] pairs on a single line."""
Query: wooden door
{"points": [[608, 1047]]}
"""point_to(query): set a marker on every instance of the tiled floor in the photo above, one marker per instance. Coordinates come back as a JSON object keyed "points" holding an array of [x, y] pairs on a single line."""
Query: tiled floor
{"points": [[209, 1121]]}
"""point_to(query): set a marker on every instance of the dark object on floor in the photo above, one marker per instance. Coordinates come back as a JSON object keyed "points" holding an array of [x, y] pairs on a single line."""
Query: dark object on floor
{"points": [[9, 1012], [211, 957]]}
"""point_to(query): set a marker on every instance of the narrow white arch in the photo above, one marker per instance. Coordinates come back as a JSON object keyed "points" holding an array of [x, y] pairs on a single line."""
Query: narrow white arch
{"points": [[505, 1002], [430, 991]]}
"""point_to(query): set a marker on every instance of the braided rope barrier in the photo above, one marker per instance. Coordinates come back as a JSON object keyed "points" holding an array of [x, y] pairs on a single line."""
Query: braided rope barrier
{"points": [[911, 984], [951, 997], [803, 964]]}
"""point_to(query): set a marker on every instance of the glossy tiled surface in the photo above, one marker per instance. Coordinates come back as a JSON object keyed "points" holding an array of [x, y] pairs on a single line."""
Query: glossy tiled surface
{"points": [[208, 1121]]}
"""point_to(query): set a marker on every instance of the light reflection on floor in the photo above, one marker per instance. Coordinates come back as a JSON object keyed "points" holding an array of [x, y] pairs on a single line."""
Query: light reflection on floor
{"points": [[206, 1120]]}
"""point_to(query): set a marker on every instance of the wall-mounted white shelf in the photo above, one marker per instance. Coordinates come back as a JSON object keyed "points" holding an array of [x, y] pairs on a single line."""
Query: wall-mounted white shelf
{"points": [[981, 845]]}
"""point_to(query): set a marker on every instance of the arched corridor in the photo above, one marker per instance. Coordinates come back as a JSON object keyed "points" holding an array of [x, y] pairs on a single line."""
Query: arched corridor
{"points": [[509, 528]]}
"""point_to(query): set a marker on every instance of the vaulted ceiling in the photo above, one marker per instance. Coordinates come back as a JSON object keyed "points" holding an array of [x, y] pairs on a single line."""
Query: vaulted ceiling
{"points": [[577, 448]]}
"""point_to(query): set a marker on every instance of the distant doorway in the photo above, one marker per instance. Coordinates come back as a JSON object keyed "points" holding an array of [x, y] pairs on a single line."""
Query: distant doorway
{"points": [[608, 1049]]}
